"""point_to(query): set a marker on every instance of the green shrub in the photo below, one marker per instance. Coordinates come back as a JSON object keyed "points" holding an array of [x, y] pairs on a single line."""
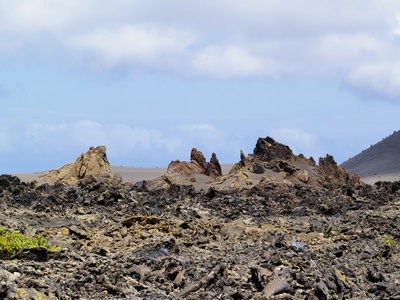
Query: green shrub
{"points": [[391, 242], [14, 242]]}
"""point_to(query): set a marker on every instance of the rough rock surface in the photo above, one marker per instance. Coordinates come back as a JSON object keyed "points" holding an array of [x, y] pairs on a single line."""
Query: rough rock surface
{"points": [[213, 167], [331, 172], [197, 158], [355, 179], [90, 166], [270, 241], [179, 172], [274, 161], [268, 149]]}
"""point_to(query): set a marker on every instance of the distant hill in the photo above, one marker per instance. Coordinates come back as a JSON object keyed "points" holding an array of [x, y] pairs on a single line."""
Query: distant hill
{"points": [[383, 157]]}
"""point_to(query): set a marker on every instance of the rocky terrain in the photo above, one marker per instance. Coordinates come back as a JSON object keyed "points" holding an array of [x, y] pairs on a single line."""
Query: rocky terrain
{"points": [[310, 232], [270, 161]]}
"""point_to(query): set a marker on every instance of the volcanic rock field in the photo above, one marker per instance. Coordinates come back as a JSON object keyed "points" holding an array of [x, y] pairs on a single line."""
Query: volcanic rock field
{"points": [[278, 226]]}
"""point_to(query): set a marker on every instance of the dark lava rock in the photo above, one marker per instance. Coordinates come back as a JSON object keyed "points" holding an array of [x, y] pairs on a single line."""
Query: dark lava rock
{"points": [[267, 149], [269, 241]]}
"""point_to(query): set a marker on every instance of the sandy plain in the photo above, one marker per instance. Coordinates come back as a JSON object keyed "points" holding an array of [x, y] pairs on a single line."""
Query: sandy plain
{"points": [[128, 174]]}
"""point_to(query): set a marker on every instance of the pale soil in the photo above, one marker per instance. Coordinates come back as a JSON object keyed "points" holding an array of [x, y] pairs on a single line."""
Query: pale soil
{"points": [[382, 177], [128, 174], [135, 174]]}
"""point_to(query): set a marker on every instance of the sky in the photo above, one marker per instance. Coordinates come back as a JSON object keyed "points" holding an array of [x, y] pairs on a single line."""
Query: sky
{"points": [[151, 79]]}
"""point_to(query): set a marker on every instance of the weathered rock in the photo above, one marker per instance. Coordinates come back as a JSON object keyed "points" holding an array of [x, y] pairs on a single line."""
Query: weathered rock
{"points": [[275, 160], [355, 179], [303, 176], [197, 165], [331, 172], [91, 166], [213, 167], [270, 241], [197, 158], [275, 286], [267, 149]]}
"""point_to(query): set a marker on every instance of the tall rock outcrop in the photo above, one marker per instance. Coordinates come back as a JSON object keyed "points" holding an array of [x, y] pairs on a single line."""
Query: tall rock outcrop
{"points": [[213, 167], [89, 167], [331, 172], [197, 164], [268, 149], [198, 160], [275, 161]]}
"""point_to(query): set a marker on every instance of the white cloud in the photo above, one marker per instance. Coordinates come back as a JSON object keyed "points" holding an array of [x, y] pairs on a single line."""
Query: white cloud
{"points": [[300, 141], [120, 139], [225, 62], [127, 44], [382, 77], [195, 128], [351, 40], [125, 143], [207, 139]]}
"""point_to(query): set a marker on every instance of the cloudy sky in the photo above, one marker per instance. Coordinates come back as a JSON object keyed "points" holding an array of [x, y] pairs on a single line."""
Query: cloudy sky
{"points": [[152, 79]]}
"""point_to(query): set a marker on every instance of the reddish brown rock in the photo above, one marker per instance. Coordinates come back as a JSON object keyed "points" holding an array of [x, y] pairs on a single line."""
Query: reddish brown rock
{"points": [[213, 167], [179, 167], [197, 158], [355, 179], [267, 149], [331, 172], [197, 164]]}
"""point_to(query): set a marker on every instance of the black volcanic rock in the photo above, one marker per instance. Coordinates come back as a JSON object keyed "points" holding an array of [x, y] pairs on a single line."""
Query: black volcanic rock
{"points": [[268, 242], [382, 157], [267, 149]]}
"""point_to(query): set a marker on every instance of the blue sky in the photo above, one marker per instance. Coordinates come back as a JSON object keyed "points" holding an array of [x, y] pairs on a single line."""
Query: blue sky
{"points": [[152, 79]]}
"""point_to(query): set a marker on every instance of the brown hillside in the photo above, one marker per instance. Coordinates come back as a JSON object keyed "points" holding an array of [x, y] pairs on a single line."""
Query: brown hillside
{"points": [[383, 157]]}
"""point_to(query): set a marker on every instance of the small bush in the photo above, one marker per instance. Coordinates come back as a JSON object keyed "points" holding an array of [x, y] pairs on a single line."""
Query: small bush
{"points": [[391, 242], [14, 242]]}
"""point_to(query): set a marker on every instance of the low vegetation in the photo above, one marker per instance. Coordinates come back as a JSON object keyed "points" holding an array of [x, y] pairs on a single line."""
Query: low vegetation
{"points": [[391, 242], [11, 243]]}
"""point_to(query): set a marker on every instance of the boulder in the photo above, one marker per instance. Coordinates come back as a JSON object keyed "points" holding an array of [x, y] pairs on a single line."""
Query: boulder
{"points": [[331, 172], [303, 176], [267, 149], [355, 179]]}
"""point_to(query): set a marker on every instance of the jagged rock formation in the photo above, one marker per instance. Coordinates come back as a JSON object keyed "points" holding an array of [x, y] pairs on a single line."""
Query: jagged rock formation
{"points": [[197, 165], [268, 149], [213, 167], [198, 160], [90, 167], [331, 172], [271, 162], [197, 170], [274, 161]]}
